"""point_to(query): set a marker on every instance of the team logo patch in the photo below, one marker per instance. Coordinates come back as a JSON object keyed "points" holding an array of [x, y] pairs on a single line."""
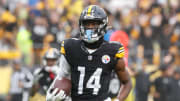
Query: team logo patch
{"points": [[105, 59]]}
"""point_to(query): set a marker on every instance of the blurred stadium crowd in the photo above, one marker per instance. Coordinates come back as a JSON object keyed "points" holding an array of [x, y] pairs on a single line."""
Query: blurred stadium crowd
{"points": [[29, 27]]}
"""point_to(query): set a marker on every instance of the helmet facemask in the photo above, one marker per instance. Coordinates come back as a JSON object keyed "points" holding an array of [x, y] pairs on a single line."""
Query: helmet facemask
{"points": [[92, 34]]}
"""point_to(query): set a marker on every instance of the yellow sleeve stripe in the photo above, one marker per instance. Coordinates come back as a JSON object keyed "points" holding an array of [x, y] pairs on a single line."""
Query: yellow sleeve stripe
{"points": [[89, 11], [62, 51], [122, 48], [119, 55]]}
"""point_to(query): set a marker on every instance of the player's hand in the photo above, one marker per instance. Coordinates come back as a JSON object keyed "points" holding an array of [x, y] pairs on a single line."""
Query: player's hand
{"points": [[116, 99], [108, 99], [37, 75], [55, 95]]}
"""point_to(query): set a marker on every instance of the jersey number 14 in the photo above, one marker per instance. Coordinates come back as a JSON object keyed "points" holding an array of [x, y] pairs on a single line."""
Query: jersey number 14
{"points": [[93, 82]]}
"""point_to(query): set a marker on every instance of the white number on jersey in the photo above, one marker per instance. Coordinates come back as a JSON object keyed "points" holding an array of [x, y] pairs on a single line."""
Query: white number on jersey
{"points": [[93, 82]]}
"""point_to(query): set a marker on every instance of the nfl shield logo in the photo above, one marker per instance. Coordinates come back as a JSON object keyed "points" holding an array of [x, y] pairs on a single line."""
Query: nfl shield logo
{"points": [[105, 59], [90, 57]]}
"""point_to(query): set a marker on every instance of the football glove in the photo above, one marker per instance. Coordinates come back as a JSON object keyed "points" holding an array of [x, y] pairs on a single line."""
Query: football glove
{"points": [[37, 75], [116, 99], [108, 99], [55, 95]]}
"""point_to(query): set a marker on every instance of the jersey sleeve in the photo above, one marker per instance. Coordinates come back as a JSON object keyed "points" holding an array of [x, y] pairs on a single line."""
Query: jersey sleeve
{"points": [[62, 49], [64, 67], [66, 45], [120, 52]]}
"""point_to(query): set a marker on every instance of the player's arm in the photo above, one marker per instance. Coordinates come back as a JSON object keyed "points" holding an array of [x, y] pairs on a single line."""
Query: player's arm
{"points": [[124, 78], [37, 75], [64, 71], [122, 74], [64, 66]]}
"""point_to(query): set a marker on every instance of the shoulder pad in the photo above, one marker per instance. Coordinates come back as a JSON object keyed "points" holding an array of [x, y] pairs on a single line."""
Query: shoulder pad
{"points": [[120, 49], [114, 42], [67, 43], [75, 38]]}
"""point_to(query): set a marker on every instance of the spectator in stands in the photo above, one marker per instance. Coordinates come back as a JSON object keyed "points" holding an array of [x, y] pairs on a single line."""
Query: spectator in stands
{"points": [[25, 45], [175, 38], [39, 31], [53, 22], [156, 21], [9, 20], [164, 40], [7, 42], [176, 85], [143, 84], [21, 82], [145, 45], [8, 48], [163, 84]]}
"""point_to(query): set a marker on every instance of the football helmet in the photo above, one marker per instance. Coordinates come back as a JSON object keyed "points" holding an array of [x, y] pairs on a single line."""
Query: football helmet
{"points": [[97, 16], [51, 54]]}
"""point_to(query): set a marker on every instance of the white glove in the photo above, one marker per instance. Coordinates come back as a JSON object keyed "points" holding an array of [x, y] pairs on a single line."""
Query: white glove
{"points": [[37, 75], [108, 99], [116, 99], [55, 95]]}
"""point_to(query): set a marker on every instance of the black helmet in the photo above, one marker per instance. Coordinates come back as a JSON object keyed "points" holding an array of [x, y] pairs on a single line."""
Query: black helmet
{"points": [[93, 13]]}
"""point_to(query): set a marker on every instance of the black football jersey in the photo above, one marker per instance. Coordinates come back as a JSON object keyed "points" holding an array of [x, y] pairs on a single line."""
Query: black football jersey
{"points": [[45, 80], [91, 73]]}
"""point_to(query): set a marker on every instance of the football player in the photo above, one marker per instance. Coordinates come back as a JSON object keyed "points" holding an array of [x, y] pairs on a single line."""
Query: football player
{"points": [[45, 75], [89, 61]]}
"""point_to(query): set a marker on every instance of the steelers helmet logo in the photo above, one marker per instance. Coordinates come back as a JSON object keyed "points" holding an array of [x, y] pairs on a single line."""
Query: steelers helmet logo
{"points": [[105, 59]]}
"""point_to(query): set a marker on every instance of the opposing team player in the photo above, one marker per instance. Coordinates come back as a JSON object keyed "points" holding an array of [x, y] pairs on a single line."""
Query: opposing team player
{"points": [[45, 75], [89, 61]]}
